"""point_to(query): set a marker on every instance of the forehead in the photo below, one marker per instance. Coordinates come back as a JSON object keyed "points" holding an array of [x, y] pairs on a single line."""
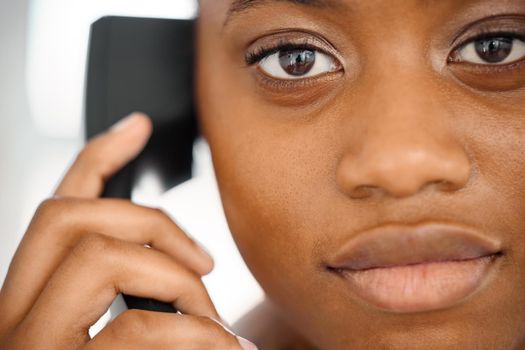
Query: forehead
{"points": [[222, 11], [231, 8]]}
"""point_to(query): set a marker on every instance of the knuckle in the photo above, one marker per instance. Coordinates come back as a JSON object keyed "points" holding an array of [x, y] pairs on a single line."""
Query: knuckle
{"points": [[161, 214], [58, 206], [130, 322], [93, 245], [52, 214], [223, 338], [50, 206], [158, 211]]}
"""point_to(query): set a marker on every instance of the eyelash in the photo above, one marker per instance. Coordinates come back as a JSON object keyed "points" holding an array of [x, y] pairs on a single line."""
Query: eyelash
{"points": [[259, 53], [487, 34]]}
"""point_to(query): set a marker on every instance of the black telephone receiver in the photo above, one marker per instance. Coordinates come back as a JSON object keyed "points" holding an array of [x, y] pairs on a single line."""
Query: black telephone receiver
{"points": [[144, 64]]}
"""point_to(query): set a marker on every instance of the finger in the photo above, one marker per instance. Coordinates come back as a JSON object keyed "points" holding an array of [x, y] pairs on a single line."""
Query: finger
{"points": [[104, 155], [60, 223], [100, 267], [138, 329]]}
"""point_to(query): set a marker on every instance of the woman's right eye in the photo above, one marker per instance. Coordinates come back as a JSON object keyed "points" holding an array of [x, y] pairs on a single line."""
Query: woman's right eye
{"points": [[299, 63], [496, 50]]}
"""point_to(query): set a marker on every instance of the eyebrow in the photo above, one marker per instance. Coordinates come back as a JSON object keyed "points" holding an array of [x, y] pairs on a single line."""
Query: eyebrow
{"points": [[240, 6]]}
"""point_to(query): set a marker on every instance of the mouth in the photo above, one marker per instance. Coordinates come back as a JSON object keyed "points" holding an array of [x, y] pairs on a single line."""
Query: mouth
{"points": [[416, 268]]}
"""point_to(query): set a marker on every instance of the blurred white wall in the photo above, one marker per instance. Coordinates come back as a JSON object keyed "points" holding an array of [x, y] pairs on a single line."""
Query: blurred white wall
{"points": [[13, 107], [31, 162]]}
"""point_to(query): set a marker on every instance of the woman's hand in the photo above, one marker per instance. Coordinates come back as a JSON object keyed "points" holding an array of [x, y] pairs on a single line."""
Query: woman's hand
{"points": [[80, 251]]}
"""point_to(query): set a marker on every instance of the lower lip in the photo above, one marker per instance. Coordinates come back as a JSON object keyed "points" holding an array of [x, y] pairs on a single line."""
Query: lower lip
{"points": [[420, 287]]}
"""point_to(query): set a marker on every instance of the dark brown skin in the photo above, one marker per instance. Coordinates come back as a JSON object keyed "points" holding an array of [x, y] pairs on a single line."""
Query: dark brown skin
{"points": [[403, 132]]}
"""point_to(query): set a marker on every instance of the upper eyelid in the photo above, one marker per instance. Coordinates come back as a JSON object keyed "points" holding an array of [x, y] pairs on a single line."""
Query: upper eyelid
{"points": [[511, 24], [296, 38], [487, 35], [275, 50], [278, 47], [293, 34]]}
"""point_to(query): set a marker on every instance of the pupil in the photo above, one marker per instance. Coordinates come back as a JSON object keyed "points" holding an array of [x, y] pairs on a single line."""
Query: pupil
{"points": [[297, 62], [494, 50]]}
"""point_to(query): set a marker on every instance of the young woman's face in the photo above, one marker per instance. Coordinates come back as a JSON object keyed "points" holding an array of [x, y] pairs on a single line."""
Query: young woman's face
{"points": [[344, 123]]}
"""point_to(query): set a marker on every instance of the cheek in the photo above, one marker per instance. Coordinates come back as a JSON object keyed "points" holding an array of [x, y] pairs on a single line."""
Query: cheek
{"points": [[271, 179], [494, 132]]}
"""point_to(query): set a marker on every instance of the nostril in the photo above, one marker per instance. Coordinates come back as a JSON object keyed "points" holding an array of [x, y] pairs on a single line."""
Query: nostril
{"points": [[444, 185], [363, 191]]}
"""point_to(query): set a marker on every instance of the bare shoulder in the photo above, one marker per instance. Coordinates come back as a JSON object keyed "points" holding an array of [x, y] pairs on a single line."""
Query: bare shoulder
{"points": [[264, 327]]}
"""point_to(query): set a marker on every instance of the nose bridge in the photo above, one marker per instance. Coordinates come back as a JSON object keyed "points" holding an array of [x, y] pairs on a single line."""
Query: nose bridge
{"points": [[406, 141]]}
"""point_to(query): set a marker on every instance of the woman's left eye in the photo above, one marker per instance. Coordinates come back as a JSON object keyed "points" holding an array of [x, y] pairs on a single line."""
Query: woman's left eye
{"points": [[496, 50], [298, 64]]}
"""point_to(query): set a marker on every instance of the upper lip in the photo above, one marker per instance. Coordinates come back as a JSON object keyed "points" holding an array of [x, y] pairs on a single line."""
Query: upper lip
{"points": [[395, 245]]}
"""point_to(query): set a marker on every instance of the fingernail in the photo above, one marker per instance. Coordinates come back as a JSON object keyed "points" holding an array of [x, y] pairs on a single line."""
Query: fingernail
{"points": [[246, 344], [124, 123]]}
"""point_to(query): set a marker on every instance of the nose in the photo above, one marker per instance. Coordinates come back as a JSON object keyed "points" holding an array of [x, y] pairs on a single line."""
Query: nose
{"points": [[403, 145]]}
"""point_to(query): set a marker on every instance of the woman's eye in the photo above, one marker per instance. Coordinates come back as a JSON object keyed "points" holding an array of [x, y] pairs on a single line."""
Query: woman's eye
{"points": [[497, 50], [298, 64]]}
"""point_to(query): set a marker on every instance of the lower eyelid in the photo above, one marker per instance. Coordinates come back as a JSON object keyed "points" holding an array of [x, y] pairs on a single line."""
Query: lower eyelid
{"points": [[292, 84], [306, 93], [490, 78]]}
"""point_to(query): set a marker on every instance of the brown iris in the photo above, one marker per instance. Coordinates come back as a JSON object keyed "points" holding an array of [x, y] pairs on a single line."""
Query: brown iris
{"points": [[297, 62], [494, 50]]}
